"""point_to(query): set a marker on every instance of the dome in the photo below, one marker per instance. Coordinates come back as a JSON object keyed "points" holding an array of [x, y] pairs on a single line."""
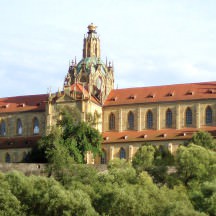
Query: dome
{"points": [[91, 64]]}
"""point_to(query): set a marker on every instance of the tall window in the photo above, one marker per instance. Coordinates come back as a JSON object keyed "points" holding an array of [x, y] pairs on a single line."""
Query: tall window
{"points": [[36, 126], [3, 128], [188, 117], [208, 116], [130, 121], [168, 118], [7, 158], [19, 127], [149, 120], [122, 154], [103, 157], [112, 121]]}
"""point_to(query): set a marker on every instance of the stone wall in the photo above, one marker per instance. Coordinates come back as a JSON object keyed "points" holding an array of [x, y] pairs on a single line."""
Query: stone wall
{"points": [[26, 168], [159, 115], [37, 168]]}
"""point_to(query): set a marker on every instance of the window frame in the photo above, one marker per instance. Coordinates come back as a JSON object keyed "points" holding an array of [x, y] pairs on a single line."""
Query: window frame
{"points": [[188, 117], [3, 130], [19, 127], [130, 120], [103, 159], [122, 153], [34, 126], [149, 119], [112, 121], [169, 118]]}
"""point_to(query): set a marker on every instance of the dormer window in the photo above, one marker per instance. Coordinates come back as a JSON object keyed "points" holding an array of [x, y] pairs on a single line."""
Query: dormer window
{"points": [[5, 106], [125, 137], [106, 138], [21, 105], [164, 135], [210, 91], [144, 136], [132, 97], [113, 98], [170, 94], [150, 95], [189, 92]]}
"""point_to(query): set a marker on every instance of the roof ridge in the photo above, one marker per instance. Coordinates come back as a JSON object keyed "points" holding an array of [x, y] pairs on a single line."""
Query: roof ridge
{"points": [[177, 84], [24, 96]]}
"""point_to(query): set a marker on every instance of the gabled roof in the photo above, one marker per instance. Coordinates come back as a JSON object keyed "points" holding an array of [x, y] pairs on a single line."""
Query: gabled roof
{"points": [[166, 93], [153, 135], [77, 87], [23, 103]]}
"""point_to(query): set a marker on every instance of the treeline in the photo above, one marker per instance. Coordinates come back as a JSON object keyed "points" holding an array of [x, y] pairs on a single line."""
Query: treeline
{"points": [[142, 187]]}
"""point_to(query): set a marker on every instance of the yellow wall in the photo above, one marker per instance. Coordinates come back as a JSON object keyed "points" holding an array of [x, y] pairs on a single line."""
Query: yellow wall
{"points": [[159, 114], [16, 155], [27, 123]]}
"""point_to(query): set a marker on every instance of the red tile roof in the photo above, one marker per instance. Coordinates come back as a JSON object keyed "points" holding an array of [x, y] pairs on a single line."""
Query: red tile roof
{"points": [[18, 142], [153, 135], [23, 103], [166, 93], [77, 87]]}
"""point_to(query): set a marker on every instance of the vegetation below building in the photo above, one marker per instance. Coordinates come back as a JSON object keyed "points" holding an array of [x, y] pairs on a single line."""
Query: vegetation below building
{"points": [[142, 187]]}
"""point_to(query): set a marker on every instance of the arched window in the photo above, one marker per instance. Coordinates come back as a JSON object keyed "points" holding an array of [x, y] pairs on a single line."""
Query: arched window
{"points": [[112, 121], [149, 120], [130, 121], [168, 118], [19, 127], [36, 126], [188, 117], [3, 129], [103, 157], [7, 158], [122, 154], [208, 115]]}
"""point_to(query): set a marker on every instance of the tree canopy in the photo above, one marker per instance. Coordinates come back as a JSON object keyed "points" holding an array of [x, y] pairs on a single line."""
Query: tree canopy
{"points": [[71, 139]]}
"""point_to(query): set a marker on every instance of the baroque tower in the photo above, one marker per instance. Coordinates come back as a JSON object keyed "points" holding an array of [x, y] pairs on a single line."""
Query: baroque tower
{"points": [[95, 76]]}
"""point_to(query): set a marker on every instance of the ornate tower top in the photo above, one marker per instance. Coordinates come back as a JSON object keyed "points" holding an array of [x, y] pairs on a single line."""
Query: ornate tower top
{"points": [[91, 44], [92, 28], [91, 72]]}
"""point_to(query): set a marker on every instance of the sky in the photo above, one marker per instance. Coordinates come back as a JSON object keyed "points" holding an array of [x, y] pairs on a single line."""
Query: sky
{"points": [[151, 42]]}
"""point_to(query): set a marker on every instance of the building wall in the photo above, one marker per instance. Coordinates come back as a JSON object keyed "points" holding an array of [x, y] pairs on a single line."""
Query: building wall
{"points": [[112, 150], [159, 115], [159, 122], [16, 155], [27, 123]]}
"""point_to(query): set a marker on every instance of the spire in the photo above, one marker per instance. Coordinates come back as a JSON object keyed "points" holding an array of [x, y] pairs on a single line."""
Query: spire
{"points": [[91, 44]]}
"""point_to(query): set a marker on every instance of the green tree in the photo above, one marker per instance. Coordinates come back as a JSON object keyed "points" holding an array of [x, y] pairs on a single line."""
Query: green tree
{"points": [[72, 137], [195, 163], [204, 139], [203, 196], [143, 158], [9, 204]]}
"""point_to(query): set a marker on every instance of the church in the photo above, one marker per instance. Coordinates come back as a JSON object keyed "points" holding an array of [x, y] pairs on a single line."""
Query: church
{"points": [[127, 118]]}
